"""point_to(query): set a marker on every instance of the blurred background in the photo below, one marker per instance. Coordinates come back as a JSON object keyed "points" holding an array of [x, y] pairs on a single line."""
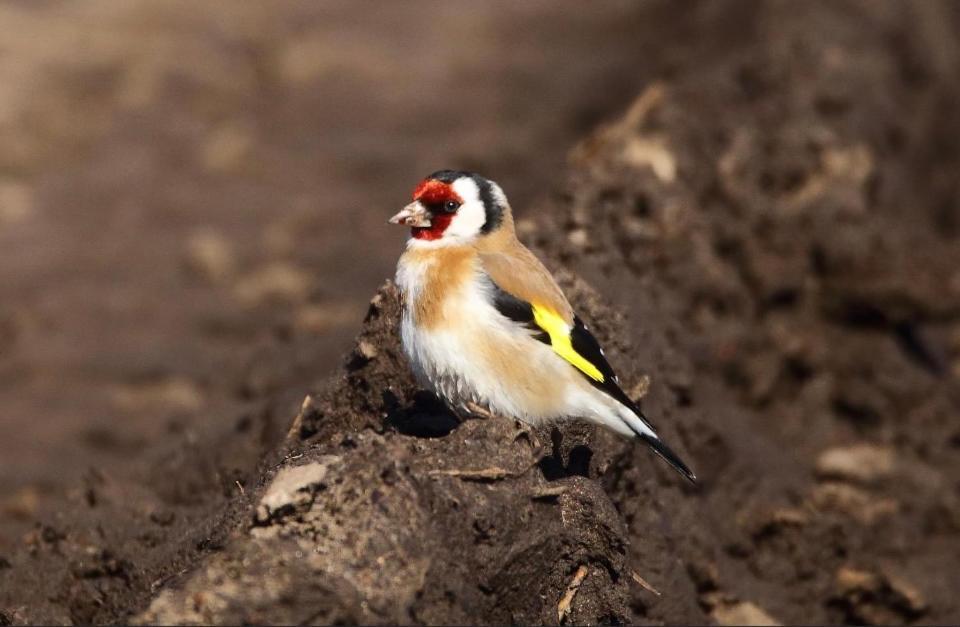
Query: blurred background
{"points": [[182, 182], [193, 206]]}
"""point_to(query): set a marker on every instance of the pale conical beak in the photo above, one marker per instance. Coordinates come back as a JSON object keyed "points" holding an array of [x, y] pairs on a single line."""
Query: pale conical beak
{"points": [[414, 214]]}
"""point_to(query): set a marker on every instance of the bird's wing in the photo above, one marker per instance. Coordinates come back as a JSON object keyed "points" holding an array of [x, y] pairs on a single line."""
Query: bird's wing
{"points": [[525, 292], [571, 340], [518, 272]]}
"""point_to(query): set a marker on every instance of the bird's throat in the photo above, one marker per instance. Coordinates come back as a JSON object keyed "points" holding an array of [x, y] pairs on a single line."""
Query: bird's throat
{"points": [[438, 224]]}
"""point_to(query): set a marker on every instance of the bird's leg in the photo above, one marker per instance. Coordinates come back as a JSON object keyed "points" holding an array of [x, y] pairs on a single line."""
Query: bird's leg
{"points": [[476, 411], [557, 439]]}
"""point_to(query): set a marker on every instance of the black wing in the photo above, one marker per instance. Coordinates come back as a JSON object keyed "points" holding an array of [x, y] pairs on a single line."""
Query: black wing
{"points": [[586, 346]]}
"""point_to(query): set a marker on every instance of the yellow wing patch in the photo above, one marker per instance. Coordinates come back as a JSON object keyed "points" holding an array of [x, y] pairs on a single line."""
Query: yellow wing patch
{"points": [[559, 333]]}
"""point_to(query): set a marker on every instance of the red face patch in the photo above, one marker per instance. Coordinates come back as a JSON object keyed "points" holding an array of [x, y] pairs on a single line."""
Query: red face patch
{"points": [[438, 224], [432, 194]]}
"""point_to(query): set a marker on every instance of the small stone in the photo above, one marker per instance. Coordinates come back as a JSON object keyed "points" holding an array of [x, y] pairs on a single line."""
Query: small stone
{"points": [[877, 598], [209, 256], [742, 613], [850, 579], [651, 152], [853, 501], [789, 517], [578, 238], [367, 350], [854, 163], [770, 523], [640, 389], [862, 463], [908, 596], [305, 423], [293, 487], [278, 280], [21, 504]]}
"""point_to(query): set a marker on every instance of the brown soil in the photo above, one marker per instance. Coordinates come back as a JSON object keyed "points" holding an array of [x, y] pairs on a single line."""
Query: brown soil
{"points": [[770, 234]]}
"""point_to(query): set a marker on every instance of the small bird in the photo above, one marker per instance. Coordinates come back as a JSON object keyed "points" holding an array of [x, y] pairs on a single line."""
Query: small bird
{"points": [[485, 325]]}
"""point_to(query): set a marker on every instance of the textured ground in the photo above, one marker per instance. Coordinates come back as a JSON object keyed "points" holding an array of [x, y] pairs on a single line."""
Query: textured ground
{"points": [[770, 234]]}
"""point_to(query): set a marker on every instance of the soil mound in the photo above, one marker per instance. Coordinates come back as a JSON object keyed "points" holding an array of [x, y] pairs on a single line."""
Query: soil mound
{"points": [[386, 508], [773, 235]]}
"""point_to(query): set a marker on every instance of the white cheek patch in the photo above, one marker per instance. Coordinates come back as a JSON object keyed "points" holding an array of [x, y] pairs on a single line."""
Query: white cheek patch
{"points": [[467, 190], [469, 220], [472, 215]]}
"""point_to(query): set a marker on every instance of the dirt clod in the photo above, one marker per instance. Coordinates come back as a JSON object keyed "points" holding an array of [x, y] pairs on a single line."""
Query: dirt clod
{"points": [[209, 256], [876, 598], [765, 243], [742, 613], [293, 488], [863, 463]]}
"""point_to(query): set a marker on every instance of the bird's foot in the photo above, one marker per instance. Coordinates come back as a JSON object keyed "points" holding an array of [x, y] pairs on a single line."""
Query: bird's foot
{"points": [[476, 411]]}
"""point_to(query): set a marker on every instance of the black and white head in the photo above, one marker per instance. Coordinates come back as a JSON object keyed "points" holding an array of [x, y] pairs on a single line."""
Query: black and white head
{"points": [[451, 206]]}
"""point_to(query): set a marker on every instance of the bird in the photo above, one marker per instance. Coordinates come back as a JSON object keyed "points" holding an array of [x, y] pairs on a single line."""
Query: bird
{"points": [[485, 326]]}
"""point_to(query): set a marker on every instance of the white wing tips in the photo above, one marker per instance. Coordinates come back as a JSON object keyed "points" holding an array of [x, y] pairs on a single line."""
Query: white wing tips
{"points": [[670, 457], [640, 428]]}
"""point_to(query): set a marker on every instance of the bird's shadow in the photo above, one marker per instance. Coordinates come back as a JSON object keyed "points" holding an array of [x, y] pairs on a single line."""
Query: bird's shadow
{"points": [[553, 466], [429, 417], [426, 417]]}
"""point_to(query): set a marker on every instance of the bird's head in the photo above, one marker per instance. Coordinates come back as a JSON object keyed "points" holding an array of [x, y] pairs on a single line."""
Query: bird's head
{"points": [[455, 207]]}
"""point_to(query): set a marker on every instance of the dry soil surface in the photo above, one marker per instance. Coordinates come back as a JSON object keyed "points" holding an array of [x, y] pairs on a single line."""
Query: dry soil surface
{"points": [[767, 244]]}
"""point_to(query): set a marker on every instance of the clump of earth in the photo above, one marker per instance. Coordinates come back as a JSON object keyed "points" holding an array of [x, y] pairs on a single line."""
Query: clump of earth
{"points": [[765, 242]]}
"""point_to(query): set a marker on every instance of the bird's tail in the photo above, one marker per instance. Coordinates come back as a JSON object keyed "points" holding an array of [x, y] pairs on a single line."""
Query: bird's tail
{"points": [[633, 418]]}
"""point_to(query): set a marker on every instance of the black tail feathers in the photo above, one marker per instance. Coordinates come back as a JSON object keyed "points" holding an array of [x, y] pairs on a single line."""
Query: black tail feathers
{"points": [[656, 443], [669, 456]]}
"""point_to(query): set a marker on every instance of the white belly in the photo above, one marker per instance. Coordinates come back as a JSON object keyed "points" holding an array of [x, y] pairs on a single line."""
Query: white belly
{"points": [[481, 357], [442, 365]]}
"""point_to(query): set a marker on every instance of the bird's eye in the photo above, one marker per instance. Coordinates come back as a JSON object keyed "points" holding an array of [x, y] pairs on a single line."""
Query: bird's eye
{"points": [[451, 206]]}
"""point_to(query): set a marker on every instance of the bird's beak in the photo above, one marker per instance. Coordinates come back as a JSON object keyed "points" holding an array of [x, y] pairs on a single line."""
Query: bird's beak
{"points": [[414, 214]]}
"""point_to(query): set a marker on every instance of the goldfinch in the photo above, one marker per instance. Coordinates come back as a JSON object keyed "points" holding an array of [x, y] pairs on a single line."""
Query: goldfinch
{"points": [[484, 324]]}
